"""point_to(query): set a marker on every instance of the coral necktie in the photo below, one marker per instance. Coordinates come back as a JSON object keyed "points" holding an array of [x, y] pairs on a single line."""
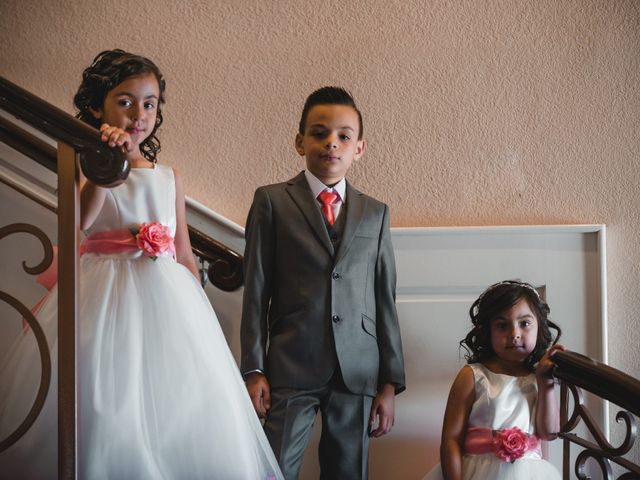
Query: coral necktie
{"points": [[328, 199]]}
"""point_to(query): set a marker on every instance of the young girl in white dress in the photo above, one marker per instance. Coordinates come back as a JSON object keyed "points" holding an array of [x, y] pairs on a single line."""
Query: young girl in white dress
{"points": [[502, 404], [160, 395]]}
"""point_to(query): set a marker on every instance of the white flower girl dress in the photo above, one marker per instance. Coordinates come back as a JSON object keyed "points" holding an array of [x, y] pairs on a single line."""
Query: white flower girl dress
{"points": [[502, 402], [160, 394]]}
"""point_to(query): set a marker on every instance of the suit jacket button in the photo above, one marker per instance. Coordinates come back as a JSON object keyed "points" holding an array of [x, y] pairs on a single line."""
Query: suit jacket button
{"points": [[335, 318], [335, 275]]}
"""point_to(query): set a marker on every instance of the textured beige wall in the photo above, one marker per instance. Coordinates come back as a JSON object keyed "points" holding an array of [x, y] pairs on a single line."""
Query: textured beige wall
{"points": [[476, 112]]}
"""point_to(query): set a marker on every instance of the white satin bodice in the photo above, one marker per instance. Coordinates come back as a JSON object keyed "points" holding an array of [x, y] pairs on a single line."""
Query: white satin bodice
{"points": [[148, 195], [503, 401]]}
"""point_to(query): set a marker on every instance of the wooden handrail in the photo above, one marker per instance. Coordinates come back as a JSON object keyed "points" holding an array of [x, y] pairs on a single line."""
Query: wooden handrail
{"points": [[102, 165], [225, 265], [595, 377], [107, 166], [28, 144]]}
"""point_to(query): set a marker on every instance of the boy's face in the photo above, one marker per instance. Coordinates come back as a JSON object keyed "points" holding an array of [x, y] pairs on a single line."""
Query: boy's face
{"points": [[330, 142]]}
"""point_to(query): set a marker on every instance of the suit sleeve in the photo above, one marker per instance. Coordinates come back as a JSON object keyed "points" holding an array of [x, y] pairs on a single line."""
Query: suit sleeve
{"points": [[258, 271], [388, 330]]}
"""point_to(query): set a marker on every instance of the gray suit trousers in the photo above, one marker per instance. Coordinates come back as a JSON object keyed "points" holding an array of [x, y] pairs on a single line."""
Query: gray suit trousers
{"points": [[344, 443]]}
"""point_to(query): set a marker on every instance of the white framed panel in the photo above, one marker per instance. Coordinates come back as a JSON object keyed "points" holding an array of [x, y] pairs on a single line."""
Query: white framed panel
{"points": [[441, 271]]}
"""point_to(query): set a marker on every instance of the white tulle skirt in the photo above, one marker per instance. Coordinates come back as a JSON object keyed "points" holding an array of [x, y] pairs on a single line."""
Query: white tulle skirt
{"points": [[160, 395], [488, 466]]}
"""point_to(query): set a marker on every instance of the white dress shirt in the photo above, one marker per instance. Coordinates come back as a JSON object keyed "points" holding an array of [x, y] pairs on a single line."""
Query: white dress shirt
{"points": [[318, 187]]}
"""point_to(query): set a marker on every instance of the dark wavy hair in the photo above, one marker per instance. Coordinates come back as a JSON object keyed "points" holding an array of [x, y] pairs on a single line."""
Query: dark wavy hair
{"points": [[329, 96], [493, 302], [108, 70]]}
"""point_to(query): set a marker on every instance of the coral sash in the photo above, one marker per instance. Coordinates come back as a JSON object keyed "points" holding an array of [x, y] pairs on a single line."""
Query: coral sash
{"points": [[479, 440], [110, 242]]}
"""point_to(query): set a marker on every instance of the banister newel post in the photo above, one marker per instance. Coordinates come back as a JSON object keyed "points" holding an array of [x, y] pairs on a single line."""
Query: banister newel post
{"points": [[68, 240]]}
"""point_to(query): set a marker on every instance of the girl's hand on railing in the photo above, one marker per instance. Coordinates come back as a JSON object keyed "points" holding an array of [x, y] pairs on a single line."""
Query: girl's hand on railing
{"points": [[545, 365], [116, 137]]}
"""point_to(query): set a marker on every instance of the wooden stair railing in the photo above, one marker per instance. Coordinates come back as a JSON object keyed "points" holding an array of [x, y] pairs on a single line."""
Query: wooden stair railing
{"points": [[78, 144], [578, 373], [225, 265], [103, 165]]}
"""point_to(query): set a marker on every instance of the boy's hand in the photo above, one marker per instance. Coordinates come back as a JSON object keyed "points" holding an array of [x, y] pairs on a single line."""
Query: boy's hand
{"points": [[259, 391], [383, 410], [545, 365], [116, 137]]}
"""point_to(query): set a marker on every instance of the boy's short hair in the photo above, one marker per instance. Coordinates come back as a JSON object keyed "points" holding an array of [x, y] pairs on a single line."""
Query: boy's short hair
{"points": [[329, 96]]}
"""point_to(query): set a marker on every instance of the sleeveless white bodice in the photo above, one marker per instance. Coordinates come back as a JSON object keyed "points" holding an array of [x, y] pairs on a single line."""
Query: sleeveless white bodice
{"points": [[503, 401], [148, 195]]}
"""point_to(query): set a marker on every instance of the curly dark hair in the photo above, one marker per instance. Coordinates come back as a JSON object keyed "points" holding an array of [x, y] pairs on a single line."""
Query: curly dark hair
{"points": [[108, 70], [492, 303]]}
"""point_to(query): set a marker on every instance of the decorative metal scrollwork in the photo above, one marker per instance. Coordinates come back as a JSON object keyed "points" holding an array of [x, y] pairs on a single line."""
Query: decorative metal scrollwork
{"points": [[577, 372], [45, 356], [40, 235], [581, 461], [580, 411]]}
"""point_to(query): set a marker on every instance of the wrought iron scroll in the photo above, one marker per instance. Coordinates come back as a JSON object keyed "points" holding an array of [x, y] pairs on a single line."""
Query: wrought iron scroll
{"points": [[578, 372], [34, 325]]}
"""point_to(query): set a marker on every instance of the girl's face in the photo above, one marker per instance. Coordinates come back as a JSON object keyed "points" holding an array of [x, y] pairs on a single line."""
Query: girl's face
{"points": [[514, 333], [132, 106]]}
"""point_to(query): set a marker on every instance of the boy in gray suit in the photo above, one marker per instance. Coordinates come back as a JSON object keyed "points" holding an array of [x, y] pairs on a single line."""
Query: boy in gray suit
{"points": [[319, 324]]}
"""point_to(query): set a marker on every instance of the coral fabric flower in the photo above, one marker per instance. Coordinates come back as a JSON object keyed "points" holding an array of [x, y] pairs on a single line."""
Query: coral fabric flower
{"points": [[512, 443], [154, 239]]}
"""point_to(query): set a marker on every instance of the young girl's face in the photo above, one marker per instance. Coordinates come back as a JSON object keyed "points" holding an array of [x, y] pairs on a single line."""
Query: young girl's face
{"points": [[132, 106], [514, 333]]}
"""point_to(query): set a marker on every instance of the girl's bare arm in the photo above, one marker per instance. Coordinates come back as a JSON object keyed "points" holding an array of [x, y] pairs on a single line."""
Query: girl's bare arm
{"points": [[547, 411], [456, 417], [184, 255], [91, 195]]}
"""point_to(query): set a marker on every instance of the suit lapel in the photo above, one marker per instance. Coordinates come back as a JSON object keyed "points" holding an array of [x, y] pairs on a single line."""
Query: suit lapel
{"points": [[355, 213], [298, 189]]}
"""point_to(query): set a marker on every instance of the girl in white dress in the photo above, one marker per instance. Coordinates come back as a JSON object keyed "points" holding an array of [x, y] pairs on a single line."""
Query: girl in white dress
{"points": [[502, 404], [160, 394]]}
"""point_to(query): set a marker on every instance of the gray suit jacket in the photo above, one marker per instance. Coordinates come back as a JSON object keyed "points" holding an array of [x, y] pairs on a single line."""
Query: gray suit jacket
{"points": [[307, 308]]}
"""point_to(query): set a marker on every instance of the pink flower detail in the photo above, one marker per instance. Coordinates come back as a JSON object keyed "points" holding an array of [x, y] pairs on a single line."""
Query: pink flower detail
{"points": [[512, 443], [154, 239]]}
